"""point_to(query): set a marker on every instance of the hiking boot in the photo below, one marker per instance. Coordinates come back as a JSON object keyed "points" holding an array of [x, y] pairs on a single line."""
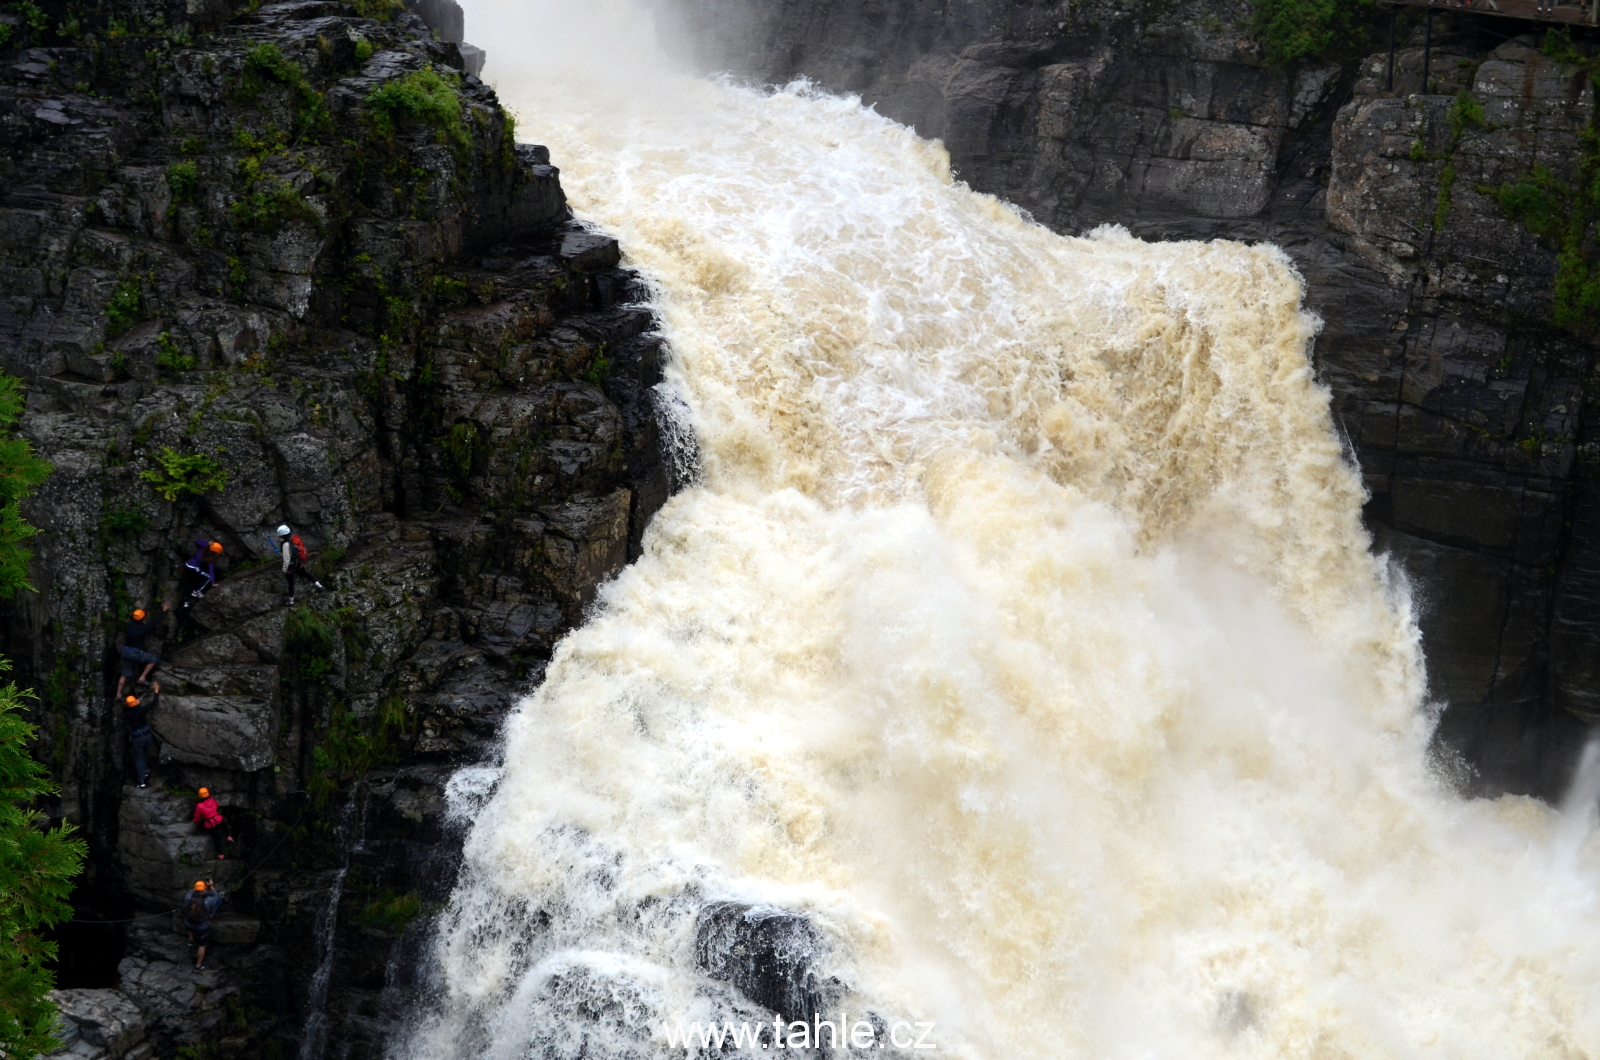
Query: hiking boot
{"points": [[291, 601]]}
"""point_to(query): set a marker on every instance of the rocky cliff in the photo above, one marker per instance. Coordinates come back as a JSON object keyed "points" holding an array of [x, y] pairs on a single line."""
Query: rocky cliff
{"points": [[1429, 221], [285, 263]]}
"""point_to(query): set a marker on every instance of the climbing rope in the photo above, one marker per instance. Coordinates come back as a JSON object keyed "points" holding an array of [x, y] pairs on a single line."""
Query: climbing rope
{"points": [[258, 866]]}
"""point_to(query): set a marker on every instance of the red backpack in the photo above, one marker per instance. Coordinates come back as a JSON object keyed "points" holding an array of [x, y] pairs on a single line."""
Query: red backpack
{"points": [[299, 546]]}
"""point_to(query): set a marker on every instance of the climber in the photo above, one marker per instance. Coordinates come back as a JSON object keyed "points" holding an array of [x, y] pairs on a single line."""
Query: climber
{"points": [[199, 907], [200, 573], [137, 714], [208, 816], [294, 560], [133, 650]]}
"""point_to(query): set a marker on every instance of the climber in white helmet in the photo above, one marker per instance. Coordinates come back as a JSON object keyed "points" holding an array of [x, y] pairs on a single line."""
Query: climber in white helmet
{"points": [[293, 551]]}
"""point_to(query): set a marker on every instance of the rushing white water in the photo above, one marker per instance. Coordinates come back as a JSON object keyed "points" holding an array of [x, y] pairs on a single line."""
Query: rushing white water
{"points": [[1022, 635]]}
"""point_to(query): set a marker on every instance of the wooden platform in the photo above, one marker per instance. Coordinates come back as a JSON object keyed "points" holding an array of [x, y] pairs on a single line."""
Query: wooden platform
{"points": [[1564, 14]]}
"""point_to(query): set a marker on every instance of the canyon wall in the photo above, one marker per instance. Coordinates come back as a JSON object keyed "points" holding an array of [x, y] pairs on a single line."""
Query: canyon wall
{"points": [[1467, 407], [285, 263]]}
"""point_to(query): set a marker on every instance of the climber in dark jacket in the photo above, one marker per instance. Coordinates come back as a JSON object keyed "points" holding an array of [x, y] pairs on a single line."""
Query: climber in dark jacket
{"points": [[200, 573], [199, 906], [137, 715], [133, 650]]}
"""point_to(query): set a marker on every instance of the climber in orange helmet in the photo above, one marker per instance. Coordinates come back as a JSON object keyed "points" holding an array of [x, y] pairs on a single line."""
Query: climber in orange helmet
{"points": [[199, 906], [209, 816], [133, 650], [200, 573], [137, 715]]}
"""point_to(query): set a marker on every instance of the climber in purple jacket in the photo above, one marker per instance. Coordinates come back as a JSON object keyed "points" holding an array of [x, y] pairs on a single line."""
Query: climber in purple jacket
{"points": [[200, 573]]}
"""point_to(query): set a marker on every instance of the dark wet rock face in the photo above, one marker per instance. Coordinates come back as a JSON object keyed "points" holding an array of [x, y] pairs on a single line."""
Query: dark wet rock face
{"points": [[242, 293], [1471, 415], [771, 956]]}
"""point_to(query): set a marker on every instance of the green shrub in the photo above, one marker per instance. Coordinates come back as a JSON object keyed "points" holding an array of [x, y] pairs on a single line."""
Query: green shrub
{"points": [[268, 203], [37, 866], [122, 308], [183, 178], [1291, 30], [1564, 215], [1577, 294], [1529, 201], [33, 21], [185, 474], [460, 445], [599, 369], [266, 62], [21, 472], [448, 290], [1465, 112], [1441, 205], [305, 633], [382, 10], [168, 356], [269, 60], [390, 911], [123, 521], [421, 96], [363, 50]]}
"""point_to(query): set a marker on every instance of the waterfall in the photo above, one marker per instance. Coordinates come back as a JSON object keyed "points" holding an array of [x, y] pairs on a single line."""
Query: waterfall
{"points": [[1016, 669], [314, 1035]]}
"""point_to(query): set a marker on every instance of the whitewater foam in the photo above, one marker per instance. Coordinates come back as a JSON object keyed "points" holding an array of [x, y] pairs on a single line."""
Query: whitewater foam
{"points": [[1021, 633]]}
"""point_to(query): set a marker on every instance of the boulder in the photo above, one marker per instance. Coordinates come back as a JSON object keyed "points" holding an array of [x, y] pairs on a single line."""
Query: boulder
{"points": [[769, 955], [157, 938], [224, 649], [238, 599], [163, 988], [224, 732], [161, 850], [258, 681], [587, 543], [107, 1020], [444, 17]]}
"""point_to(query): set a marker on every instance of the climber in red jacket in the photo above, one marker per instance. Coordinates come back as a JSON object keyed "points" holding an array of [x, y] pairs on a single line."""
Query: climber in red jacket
{"points": [[209, 816]]}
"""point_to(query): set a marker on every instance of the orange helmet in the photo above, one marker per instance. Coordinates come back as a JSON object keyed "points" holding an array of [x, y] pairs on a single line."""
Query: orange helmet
{"points": [[132, 701], [199, 885], [138, 614], [216, 546], [205, 793]]}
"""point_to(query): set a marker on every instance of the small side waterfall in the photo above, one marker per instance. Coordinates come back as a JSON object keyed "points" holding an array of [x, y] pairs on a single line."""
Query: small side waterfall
{"points": [[314, 1038]]}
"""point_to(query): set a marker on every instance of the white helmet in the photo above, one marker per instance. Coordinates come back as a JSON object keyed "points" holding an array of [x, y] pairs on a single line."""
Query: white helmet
{"points": [[283, 531]]}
